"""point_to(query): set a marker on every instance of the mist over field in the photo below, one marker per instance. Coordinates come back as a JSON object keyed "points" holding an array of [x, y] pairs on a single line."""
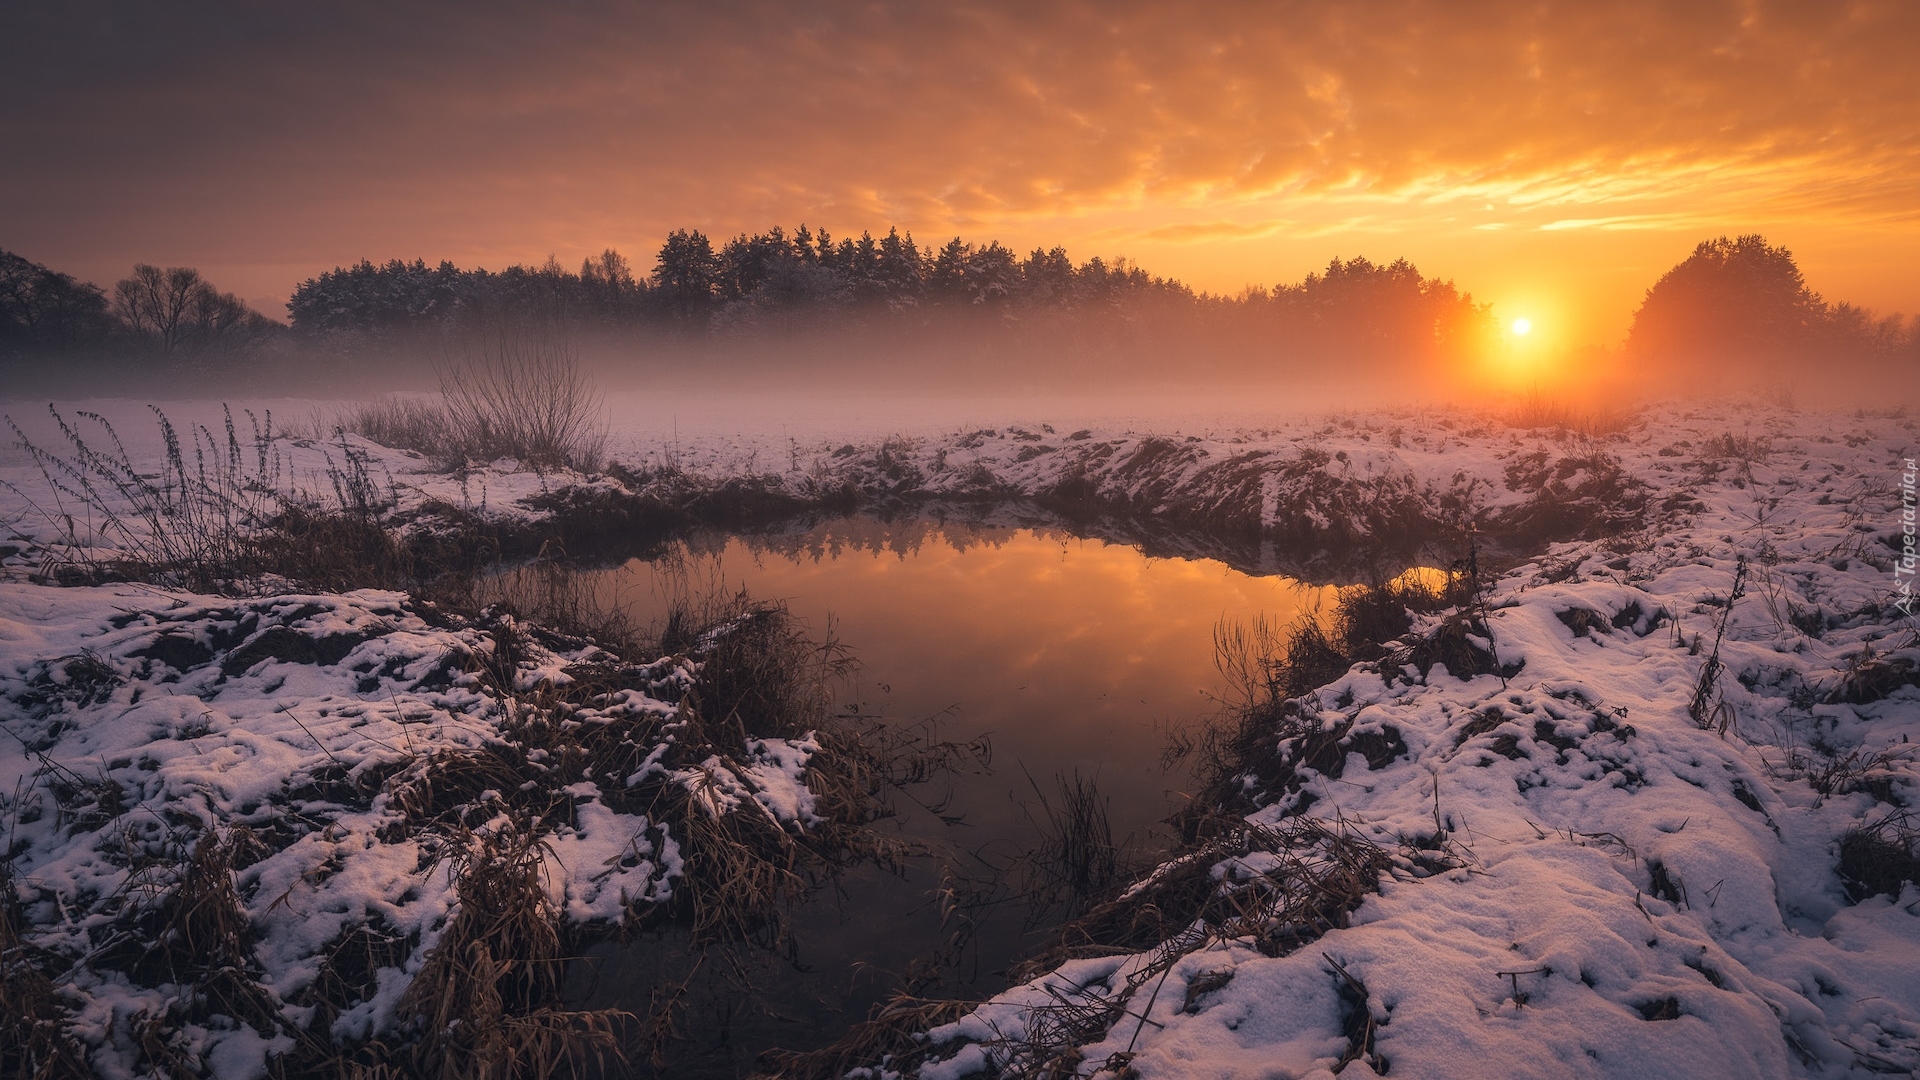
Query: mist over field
{"points": [[767, 312]]}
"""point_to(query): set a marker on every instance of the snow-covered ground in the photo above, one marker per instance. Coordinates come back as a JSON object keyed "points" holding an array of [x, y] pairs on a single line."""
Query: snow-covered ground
{"points": [[1666, 895], [1585, 881]]}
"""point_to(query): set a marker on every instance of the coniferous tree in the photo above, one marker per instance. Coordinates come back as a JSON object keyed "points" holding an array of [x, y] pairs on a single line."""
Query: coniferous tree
{"points": [[901, 269], [946, 277], [687, 274], [1048, 276], [992, 276]]}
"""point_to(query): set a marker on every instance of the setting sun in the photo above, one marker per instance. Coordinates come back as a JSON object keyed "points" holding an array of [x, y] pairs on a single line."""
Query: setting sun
{"points": [[1521, 327]]}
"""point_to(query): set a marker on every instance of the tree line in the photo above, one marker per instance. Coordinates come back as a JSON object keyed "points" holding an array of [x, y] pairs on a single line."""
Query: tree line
{"points": [[1739, 301], [170, 313], [773, 281], [694, 285], [781, 281], [1742, 308]]}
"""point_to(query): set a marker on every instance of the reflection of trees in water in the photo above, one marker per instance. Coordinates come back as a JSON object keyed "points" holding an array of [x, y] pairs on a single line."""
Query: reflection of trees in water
{"points": [[814, 538], [966, 527]]}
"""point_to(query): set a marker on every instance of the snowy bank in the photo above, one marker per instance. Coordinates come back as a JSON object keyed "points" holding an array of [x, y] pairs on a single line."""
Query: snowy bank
{"points": [[1656, 825], [325, 778]]}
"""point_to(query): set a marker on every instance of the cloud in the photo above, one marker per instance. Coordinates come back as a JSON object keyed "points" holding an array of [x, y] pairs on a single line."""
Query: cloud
{"points": [[1211, 230], [1623, 221], [486, 131]]}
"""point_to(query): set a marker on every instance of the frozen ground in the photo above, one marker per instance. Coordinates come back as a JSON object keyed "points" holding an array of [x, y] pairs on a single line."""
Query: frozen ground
{"points": [[1584, 880]]}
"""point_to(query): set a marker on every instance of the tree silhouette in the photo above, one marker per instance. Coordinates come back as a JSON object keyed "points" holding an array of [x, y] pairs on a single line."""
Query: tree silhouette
{"points": [[180, 311], [1359, 308], [687, 273], [45, 309], [1737, 299]]}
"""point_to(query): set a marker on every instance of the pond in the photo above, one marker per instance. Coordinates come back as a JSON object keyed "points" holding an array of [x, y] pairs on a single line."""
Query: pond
{"points": [[1072, 656]]}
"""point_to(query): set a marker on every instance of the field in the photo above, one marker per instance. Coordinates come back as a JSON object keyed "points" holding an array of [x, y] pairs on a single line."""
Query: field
{"points": [[1623, 789]]}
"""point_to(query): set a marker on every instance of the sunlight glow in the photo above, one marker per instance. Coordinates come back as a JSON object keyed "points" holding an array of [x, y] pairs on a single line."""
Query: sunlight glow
{"points": [[1522, 326]]}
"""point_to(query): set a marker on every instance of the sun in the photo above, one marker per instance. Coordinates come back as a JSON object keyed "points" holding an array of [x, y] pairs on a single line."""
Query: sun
{"points": [[1522, 327]]}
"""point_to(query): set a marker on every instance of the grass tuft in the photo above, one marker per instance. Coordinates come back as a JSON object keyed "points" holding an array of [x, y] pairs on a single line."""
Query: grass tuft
{"points": [[486, 1000], [1881, 858]]}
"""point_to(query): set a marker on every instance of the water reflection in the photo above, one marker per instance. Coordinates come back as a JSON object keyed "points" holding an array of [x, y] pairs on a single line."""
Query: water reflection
{"points": [[1071, 654]]}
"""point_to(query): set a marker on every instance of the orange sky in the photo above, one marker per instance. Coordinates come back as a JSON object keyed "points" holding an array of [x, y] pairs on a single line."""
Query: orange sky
{"points": [[1554, 158]]}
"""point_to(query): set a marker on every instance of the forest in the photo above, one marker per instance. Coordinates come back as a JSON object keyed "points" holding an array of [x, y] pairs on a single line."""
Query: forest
{"points": [[853, 306]]}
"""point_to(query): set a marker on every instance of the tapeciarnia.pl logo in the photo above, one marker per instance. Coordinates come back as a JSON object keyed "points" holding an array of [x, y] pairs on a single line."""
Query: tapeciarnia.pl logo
{"points": [[1903, 567]]}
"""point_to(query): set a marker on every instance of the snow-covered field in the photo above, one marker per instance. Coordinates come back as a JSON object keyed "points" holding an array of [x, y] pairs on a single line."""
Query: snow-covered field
{"points": [[1594, 868]]}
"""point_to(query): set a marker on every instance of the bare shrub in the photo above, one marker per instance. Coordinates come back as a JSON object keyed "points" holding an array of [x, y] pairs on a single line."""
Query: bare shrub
{"points": [[523, 393], [519, 391]]}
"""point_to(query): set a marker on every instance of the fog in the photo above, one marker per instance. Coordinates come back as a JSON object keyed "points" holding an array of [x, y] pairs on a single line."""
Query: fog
{"points": [[768, 328]]}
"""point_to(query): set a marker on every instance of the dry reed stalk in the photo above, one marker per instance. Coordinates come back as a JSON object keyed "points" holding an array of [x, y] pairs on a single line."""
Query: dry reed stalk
{"points": [[485, 1002]]}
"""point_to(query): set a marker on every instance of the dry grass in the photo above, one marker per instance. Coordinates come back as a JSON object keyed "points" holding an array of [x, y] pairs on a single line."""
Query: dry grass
{"points": [[895, 1030], [403, 423], [759, 676], [1706, 708], [206, 939], [1882, 857], [1317, 874], [486, 1002], [185, 926], [34, 1041], [1727, 451], [1322, 872], [1870, 676], [1076, 861], [196, 520], [1535, 412], [1264, 663], [220, 517]]}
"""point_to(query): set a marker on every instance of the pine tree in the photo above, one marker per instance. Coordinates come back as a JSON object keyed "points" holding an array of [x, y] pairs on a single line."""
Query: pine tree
{"points": [[687, 274]]}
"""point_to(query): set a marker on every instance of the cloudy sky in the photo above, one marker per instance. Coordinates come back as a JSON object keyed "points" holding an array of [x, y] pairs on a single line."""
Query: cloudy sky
{"points": [[1554, 158]]}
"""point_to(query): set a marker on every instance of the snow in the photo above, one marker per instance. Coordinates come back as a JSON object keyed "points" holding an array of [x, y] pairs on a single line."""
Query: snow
{"points": [[1665, 896], [1602, 777], [244, 722]]}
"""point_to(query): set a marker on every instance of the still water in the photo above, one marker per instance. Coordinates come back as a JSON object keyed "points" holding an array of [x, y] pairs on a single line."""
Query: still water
{"points": [[1068, 654]]}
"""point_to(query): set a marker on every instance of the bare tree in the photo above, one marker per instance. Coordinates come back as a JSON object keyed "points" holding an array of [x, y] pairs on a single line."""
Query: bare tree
{"points": [[182, 311]]}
